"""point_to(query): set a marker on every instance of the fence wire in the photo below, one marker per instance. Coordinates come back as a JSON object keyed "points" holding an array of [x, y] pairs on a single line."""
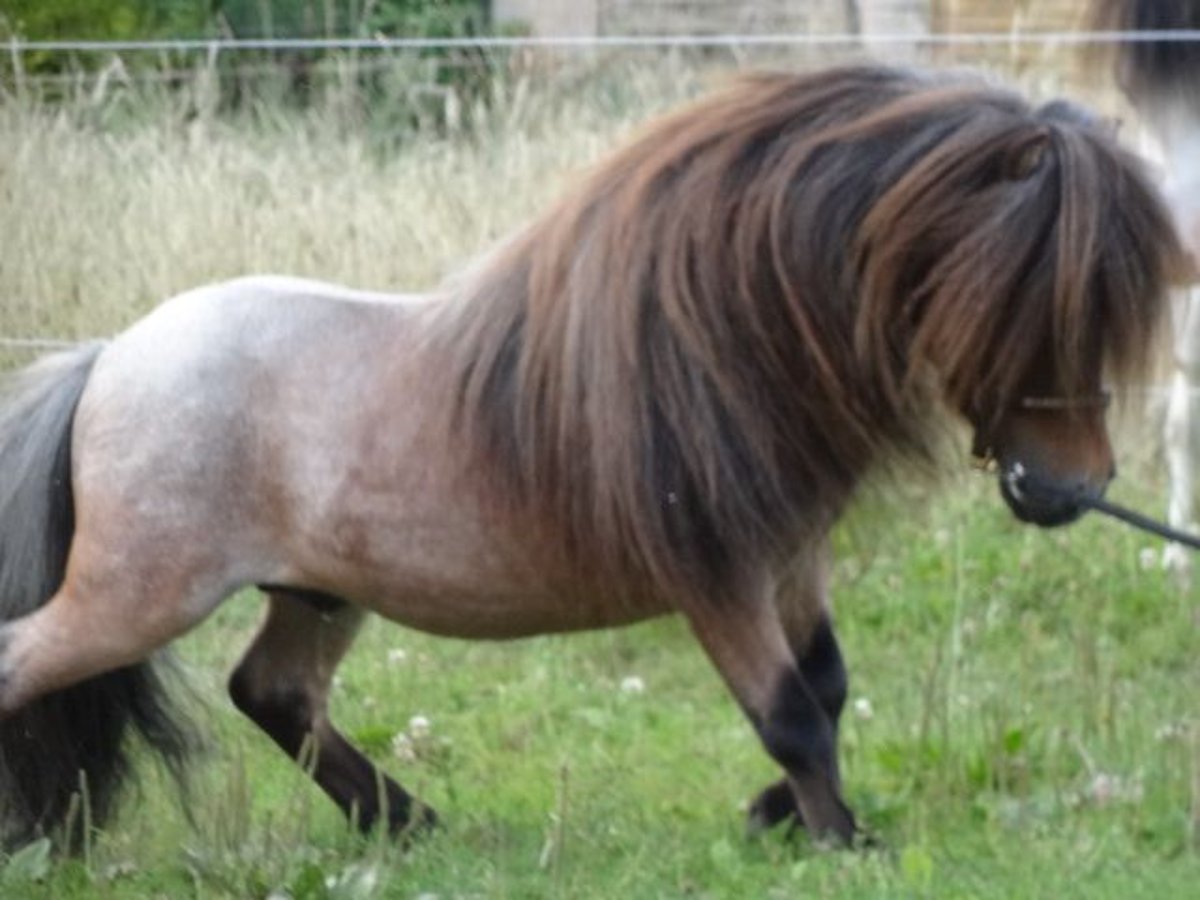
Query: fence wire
{"points": [[832, 39]]}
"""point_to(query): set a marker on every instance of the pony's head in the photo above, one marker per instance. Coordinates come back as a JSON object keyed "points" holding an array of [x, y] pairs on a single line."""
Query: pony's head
{"points": [[1029, 259]]}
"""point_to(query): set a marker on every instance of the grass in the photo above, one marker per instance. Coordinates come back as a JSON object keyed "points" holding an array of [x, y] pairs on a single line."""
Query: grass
{"points": [[1023, 717]]}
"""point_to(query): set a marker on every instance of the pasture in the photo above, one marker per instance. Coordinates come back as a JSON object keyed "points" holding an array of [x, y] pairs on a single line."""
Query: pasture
{"points": [[1022, 718]]}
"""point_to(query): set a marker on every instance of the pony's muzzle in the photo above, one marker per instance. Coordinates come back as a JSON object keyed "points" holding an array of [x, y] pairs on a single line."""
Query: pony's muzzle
{"points": [[1046, 500]]}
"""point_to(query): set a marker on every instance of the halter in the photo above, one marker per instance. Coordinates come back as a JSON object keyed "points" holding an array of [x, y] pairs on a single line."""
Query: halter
{"points": [[1099, 400], [983, 457]]}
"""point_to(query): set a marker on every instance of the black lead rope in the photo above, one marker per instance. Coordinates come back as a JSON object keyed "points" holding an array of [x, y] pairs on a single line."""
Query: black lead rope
{"points": [[1137, 520]]}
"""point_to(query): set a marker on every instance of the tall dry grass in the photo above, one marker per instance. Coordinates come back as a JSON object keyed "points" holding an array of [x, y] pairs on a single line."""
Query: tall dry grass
{"points": [[102, 220], [124, 194]]}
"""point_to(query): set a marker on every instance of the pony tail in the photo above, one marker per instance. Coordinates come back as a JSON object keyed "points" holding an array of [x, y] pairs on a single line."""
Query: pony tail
{"points": [[64, 753]]}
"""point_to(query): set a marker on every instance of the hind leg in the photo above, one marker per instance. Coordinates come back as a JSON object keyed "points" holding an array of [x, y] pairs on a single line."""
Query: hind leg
{"points": [[100, 619], [282, 684]]}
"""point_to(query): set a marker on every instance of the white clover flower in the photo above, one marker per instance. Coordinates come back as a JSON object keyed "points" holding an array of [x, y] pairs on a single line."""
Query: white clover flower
{"points": [[863, 709], [1105, 789], [397, 655], [632, 684], [1102, 788], [1172, 731], [419, 727], [402, 747]]}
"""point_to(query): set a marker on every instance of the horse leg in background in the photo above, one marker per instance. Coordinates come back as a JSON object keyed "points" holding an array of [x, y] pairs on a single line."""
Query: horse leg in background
{"points": [[802, 602], [1179, 435], [750, 647], [282, 684]]}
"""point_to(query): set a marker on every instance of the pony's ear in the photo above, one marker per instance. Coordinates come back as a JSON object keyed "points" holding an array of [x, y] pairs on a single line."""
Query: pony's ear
{"points": [[1026, 157]]}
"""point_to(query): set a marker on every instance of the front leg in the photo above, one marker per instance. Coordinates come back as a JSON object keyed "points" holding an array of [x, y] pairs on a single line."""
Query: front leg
{"points": [[747, 643], [821, 665], [801, 598]]}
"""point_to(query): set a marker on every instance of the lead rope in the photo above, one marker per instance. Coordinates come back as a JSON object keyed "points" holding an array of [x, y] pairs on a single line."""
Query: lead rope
{"points": [[1137, 520]]}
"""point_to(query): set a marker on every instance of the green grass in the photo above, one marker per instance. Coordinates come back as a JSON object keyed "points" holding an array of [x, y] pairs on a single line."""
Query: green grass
{"points": [[1032, 729]]}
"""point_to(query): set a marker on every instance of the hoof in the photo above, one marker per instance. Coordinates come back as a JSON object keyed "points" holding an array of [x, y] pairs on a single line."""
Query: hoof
{"points": [[420, 822], [776, 805], [773, 806]]}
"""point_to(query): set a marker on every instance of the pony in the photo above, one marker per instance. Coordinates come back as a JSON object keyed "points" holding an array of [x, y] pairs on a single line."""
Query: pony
{"points": [[1160, 79], [657, 398]]}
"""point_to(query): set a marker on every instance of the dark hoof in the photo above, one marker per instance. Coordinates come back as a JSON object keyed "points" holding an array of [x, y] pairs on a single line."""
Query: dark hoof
{"points": [[837, 828], [774, 806], [420, 822], [865, 842]]}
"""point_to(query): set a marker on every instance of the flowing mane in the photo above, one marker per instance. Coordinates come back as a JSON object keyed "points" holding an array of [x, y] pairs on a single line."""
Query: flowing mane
{"points": [[689, 362]]}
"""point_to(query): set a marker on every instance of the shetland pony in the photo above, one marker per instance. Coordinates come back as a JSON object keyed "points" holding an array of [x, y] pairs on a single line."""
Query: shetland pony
{"points": [[1161, 79], [657, 398]]}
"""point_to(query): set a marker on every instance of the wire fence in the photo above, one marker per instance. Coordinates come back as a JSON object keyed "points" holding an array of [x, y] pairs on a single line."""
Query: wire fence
{"points": [[220, 48], [838, 39], [34, 346], [39, 344], [381, 49]]}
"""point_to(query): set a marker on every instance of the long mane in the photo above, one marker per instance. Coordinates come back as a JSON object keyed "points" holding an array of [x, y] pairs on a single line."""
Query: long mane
{"points": [[686, 365]]}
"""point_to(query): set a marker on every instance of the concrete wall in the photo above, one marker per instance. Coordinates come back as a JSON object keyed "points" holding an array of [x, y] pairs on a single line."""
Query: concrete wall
{"points": [[721, 16], [550, 17], [614, 17], [584, 17]]}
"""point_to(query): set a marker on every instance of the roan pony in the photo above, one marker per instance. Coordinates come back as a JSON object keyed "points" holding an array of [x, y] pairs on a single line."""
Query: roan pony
{"points": [[657, 398]]}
